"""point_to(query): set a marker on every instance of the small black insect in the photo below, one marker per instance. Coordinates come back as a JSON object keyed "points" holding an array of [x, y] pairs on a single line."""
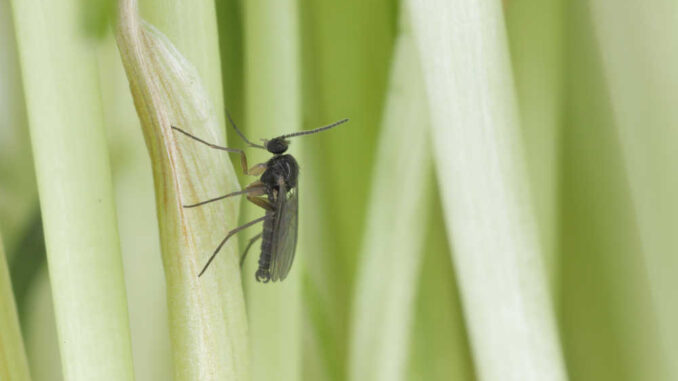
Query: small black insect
{"points": [[276, 191]]}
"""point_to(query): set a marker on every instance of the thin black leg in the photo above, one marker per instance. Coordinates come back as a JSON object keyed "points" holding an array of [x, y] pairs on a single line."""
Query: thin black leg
{"points": [[243, 157], [257, 190], [249, 244], [229, 235]]}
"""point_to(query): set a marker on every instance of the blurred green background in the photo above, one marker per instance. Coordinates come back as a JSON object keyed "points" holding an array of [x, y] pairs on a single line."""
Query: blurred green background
{"points": [[598, 127]]}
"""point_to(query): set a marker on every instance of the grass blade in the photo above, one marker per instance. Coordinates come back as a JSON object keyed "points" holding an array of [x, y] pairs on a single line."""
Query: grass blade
{"points": [[137, 221], [13, 364], [346, 48], [18, 190], [64, 111], [475, 130], [208, 324], [638, 49], [535, 30], [273, 107], [603, 287], [42, 342], [383, 306], [440, 348]]}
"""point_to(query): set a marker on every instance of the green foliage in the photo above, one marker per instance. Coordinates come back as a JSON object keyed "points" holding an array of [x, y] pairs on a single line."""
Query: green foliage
{"points": [[63, 103], [501, 205], [13, 364], [207, 319]]}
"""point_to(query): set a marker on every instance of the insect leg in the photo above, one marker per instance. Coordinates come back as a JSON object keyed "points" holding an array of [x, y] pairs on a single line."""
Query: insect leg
{"points": [[255, 188], [247, 248], [243, 157], [229, 235], [257, 169], [261, 202]]}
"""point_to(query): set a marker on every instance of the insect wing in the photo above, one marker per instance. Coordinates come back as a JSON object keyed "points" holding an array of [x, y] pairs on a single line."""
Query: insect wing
{"points": [[284, 233]]}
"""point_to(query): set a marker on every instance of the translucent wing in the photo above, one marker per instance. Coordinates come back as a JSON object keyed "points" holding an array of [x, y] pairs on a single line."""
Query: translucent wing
{"points": [[284, 233]]}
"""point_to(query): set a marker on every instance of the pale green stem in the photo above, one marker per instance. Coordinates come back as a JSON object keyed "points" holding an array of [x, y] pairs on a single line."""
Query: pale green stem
{"points": [[273, 107], [347, 49], [439, 348], [42, 343], [383, 306], [479, 160], [64, 110], [137, 221], [535, 31], [638, 48], [208, 325], [19, 192], [604, 288], [191, 26], [13, 364]]}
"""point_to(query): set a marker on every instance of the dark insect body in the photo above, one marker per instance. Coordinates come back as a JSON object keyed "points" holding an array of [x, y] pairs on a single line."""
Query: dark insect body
{"points": [[277, 192]]}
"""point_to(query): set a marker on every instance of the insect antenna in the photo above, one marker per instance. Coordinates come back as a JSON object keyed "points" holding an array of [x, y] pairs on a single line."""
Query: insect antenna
{"points": [[237, 130], [319, 129]]}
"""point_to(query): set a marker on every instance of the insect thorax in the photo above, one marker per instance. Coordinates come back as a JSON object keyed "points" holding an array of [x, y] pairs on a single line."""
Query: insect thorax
{"points": [[278, 166]]}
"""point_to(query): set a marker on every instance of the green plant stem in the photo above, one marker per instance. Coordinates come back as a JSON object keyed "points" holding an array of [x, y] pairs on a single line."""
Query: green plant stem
{"points": [[535, 30], [208, 325], [439, 348], [13, 364], [347, 50], [639, 55], [42, 342], [391, 255], [475, 130], [137, 221], [71, 158], [273, 107], [191, 25], [19, 193], [604, 286]]}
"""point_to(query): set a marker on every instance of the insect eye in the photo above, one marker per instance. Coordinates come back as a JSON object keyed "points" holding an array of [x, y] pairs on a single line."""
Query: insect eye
{"points": [[277, 146]]}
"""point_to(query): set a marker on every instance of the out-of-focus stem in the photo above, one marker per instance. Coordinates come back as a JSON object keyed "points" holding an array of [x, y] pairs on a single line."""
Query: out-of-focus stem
{"points": [[535, 30], [13, 364], [640, 57], [479, 159], [273, 107], [394, 240], [63, 101]]}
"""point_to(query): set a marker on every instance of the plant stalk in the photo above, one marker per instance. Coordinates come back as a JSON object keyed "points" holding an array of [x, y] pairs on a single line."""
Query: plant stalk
{"points": [[387, 279], [639, 55], [273, 107], [208, 325], [63, 101], [13, 363], [479, 159]]}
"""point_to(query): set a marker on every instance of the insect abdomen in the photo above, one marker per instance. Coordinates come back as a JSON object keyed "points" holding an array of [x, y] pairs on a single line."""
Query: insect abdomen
{"points": [[263, 274]]}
